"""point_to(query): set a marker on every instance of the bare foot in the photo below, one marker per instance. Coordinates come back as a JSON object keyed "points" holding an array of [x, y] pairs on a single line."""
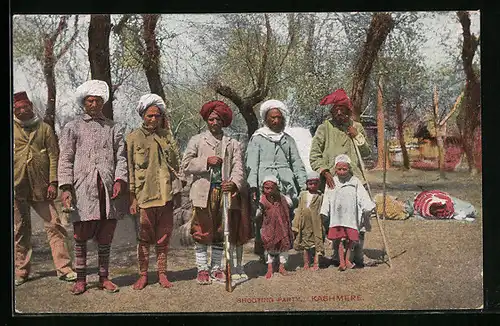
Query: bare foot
{"points": [[164, 282], [269, 274], [141, 283], [108, 286], [282, 270], [306, 266], [315, 267]]}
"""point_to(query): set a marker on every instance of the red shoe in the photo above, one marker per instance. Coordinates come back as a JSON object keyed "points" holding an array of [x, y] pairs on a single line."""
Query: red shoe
{"points": [[108, 286], [164, 282], [219, 276], [203, 278], [79, 287], [141, 283]]}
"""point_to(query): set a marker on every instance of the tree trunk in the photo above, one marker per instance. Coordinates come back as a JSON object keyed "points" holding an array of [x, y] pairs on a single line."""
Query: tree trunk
{"points": [[380, 128], [98, 52], [50, 80], [151, 59], [380, 26], [401, 136], [250, 119], [471, 115], [439, 135], [309, 46]]}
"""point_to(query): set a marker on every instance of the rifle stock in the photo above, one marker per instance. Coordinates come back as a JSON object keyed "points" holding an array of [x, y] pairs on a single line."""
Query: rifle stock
{"points": [[226, 203]]}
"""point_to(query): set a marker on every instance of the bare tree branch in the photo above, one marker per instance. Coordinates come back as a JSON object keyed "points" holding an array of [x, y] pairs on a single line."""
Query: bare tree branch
{"points": [[68, 44], [455, 106]]}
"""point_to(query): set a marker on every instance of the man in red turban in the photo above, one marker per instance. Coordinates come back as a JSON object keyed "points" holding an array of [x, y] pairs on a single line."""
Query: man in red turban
{"points": [[222, 109], [215, 161], [339, 135], [337, 98]]}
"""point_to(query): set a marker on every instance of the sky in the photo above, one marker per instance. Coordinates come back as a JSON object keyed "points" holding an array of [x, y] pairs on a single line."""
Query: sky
{"points": [[434, 28]]}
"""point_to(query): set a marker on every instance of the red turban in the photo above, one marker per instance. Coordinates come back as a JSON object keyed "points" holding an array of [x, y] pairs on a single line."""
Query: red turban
{"points": [[222, 109], [21, 96], [337, 98]]}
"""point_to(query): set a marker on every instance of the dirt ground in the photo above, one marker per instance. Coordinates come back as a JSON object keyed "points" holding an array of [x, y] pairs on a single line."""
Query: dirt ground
{"points": [[435, 266]]}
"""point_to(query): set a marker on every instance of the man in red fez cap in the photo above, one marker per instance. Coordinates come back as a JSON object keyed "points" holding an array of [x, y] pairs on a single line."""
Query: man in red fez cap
{"points": [[216, 163], [335, 136], [36, 153]]}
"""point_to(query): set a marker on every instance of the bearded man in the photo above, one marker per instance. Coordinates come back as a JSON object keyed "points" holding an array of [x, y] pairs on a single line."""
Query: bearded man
{"points": [[92, 175], [35, 186], [335, 136], [155, 183], [216, 163], [273, 152]]}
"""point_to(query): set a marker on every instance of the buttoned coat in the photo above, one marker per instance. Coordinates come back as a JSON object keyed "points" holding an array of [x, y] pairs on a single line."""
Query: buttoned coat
{"points": [[87, 147], [194, 162], [35, 161], [153, 162]]}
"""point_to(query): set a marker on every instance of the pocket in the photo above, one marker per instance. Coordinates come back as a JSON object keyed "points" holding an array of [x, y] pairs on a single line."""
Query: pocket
{"points": [[140, 177], [141, 157]]}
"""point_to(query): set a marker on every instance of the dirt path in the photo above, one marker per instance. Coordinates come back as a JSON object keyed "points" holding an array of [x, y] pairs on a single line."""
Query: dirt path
{"points": [[436, 267]]}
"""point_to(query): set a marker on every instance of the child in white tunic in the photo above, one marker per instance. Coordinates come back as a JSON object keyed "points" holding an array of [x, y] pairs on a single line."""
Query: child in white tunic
{"points": [[346, 206]]}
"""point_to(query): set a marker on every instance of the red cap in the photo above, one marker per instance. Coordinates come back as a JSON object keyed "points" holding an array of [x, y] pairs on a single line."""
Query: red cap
{"points": [[21, 96]]}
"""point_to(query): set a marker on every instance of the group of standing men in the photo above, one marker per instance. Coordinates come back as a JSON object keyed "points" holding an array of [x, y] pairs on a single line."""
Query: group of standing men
{"points": [[95, 166]]}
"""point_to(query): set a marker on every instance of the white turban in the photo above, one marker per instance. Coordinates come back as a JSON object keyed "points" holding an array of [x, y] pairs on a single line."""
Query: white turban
{"points": [[312, 175], [271, 178], [273, 104], [149, 100], [342, 158], [92, 88]]}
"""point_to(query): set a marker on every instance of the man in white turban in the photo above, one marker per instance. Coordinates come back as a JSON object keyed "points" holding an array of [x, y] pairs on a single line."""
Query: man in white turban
{"points": [[92, 173], [95, 87], [155, 181], [272, 152], [150, 100]]}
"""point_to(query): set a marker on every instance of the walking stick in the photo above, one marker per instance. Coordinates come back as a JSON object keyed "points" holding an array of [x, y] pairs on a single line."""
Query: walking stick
{"points": [[362, 166], [226, 204]]}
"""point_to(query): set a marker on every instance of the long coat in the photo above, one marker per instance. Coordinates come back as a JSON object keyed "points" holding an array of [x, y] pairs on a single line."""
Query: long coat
{"points": [[331, 140], [153, 162], [35, 160], [280, 159], [194, 162], [88, 147], [308, 224]]}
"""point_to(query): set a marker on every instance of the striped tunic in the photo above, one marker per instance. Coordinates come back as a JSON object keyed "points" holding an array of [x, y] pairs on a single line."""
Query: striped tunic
{"points": [[87, 147]]}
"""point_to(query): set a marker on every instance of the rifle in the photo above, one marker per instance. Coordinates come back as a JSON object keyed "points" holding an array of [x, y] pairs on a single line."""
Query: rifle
{"points": [[226, 203]]}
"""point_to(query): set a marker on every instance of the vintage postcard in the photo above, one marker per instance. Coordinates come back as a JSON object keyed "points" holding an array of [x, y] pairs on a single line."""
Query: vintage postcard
{"points": [[247, 162]]}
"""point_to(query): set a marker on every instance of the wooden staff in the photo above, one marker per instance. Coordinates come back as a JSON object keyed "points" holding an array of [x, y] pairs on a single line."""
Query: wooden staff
{"points": [[362, 166]]}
